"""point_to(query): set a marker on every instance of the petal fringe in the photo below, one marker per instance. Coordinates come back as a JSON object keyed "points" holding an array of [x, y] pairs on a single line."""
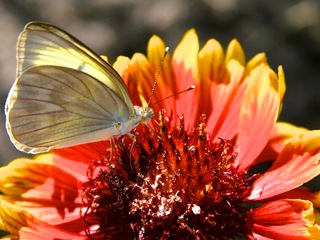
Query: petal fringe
{"points": [[235, 52], [187, 51]]}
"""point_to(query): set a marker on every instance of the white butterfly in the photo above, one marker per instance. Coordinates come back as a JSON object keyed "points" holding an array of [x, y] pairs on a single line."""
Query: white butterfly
{"points": [[65, 94]]}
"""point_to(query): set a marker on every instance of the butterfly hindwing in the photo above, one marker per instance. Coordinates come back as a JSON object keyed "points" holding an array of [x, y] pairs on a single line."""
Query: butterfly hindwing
{"points": [[51, 106]]}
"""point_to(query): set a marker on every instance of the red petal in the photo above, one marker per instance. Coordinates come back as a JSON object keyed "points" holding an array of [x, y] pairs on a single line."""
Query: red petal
{"points": [[83, 153], [66, 215], [184, 63], [296, 164], [300, 193], [285, 219], [219, 89], [259, 111], [25, 226], [281, 134], [40, 179]]}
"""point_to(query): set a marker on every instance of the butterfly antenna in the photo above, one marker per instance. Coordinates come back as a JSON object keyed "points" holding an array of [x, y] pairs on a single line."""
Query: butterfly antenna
{"points": [[175, 94], [158, 74]]}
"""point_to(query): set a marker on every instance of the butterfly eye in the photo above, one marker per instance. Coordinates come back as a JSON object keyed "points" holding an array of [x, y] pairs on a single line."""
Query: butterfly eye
{"points": [[118, 125]]}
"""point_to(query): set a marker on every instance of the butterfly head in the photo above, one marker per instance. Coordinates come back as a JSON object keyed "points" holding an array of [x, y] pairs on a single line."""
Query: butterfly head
{"points": [[143, 114], [147, 114]]}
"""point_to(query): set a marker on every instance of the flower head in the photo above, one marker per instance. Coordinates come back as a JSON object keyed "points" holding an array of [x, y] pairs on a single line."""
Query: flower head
{"points": [[188, 174]]}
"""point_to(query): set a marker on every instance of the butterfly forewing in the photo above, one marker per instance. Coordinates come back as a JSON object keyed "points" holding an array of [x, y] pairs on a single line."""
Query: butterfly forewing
{"points": [[43, 44], [54, 106]]}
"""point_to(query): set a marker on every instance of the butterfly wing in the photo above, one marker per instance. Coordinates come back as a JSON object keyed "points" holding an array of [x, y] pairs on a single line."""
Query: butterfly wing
{"points": [[64, 95], [54, 107], [43, 44]]}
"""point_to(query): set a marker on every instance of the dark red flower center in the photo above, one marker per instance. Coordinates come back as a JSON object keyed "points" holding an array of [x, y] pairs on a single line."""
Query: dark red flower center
{"points": [[171, 184]]}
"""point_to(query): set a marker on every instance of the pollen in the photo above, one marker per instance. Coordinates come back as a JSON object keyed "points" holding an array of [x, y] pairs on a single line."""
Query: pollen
{"points": [[172, 183]]}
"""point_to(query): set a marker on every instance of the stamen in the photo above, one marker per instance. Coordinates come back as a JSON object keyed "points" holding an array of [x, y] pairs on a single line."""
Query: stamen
{"points": [[180, 186]]}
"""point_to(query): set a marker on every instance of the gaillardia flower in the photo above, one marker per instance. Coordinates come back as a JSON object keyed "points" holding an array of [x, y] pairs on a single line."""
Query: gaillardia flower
{"points": [[188, 174]]}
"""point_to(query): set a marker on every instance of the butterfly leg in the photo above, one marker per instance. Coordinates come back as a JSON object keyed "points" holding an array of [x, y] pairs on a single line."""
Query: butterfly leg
{"points": [[131, 148], [152, 130], [113, 146]]}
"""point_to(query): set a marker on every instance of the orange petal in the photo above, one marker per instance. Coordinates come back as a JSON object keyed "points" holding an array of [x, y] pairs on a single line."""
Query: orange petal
{"points": [[138, 74], [25, 226], [142, 79], [211, 67], [121, 65], [281, 134], [285, 219], [105, 58], [259, 111], [166, 84], [155, 54], [297, 164], [282, 83], [130, 72], [209, 60], [230, 93]]}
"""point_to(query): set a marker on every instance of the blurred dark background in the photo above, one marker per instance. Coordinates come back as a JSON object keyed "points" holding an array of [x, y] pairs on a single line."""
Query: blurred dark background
{"points": [[288, 31]]}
